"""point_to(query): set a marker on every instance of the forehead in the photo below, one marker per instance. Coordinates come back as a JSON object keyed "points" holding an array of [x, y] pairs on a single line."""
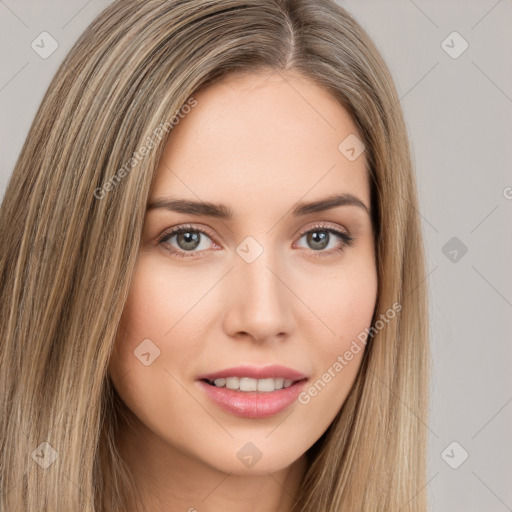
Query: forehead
{"points": [[261, 139]]}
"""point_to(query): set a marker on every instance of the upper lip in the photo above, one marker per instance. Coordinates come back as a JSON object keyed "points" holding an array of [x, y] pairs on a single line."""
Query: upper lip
{"points": [[275, 371]]}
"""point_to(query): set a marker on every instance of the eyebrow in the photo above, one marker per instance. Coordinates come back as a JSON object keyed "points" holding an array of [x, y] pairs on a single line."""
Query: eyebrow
{"points": [[222, 211]]}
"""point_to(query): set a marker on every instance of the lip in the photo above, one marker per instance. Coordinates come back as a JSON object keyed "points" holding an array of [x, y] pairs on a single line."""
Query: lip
{"points": [[253, 404], [275, 371]]}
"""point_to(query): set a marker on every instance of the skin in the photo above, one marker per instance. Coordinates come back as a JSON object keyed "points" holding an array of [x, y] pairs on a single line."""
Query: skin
{"points": [[258, 144]]}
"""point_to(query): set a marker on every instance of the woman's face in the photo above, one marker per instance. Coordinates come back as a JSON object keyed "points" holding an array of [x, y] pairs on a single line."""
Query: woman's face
{"points": [[264, 286]]}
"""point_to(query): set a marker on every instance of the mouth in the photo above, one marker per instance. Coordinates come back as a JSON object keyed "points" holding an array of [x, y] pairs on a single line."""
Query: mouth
{"points": [[251, 385], [252, 398], [253, 391]]}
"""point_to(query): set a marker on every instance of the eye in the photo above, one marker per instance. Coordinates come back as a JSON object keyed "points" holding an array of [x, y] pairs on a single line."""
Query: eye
{"points": [[320, 237], [189, 238]]}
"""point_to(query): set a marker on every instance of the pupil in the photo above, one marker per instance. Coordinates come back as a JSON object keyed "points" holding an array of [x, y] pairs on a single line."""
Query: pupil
{"points": [[191, 240], [318, 238]]}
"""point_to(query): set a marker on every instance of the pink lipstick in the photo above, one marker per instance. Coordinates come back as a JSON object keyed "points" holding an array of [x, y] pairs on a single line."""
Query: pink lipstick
{"points": [[253, 392]]}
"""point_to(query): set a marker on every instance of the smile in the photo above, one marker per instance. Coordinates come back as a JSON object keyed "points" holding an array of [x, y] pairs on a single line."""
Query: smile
{"points": [[253, 403], [247, 384]]}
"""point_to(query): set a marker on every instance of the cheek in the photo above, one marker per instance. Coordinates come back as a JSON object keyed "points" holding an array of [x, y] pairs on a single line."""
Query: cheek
{"points": [[142, 367], [157, 302], [350, 314], [352, 305], [341, 299], [345, 305], [145, 317], [154, 311]]}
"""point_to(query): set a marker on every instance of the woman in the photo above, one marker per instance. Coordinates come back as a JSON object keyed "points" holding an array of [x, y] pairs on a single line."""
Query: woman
{"points": [[212, 271]]}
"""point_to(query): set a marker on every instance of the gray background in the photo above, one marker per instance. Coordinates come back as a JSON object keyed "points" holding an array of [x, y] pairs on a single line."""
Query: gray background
{"points": [[458, 112]]}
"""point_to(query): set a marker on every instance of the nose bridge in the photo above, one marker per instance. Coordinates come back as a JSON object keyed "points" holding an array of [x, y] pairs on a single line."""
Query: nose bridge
{"points": [[260, 302]]}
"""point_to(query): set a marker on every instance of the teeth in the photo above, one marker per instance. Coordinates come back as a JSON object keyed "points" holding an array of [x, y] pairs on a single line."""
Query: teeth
{"points": [[248, 384]]}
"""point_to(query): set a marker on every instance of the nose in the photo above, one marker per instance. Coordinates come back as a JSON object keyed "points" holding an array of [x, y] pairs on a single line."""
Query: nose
{"points": [[260, 304]]}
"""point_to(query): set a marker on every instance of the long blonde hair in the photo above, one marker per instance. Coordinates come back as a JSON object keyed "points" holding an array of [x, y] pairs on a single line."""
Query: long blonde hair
{"points": [[71, 223]]}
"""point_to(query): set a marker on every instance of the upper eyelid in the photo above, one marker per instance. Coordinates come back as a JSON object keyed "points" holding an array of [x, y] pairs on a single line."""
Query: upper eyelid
{"points": [[172, 231]]}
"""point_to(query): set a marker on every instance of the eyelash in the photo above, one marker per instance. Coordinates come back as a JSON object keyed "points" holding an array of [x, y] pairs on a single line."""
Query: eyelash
{"points": [[346, 240]]}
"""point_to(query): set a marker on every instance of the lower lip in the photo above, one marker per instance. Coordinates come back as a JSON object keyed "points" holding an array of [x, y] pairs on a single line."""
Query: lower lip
{"points": [[253, 404]]}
